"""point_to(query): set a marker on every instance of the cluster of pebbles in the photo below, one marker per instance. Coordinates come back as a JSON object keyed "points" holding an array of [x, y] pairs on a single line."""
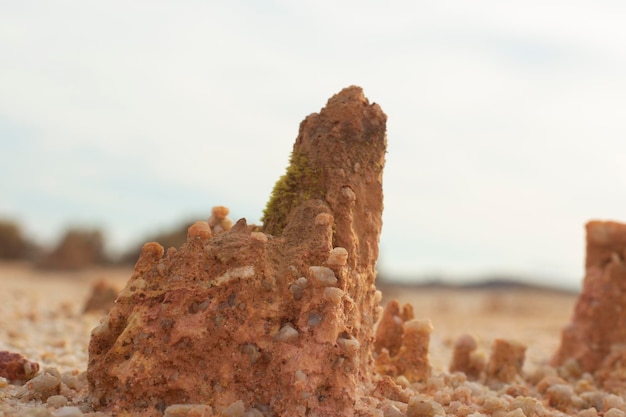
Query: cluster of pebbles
{"points": [[285, 320]]}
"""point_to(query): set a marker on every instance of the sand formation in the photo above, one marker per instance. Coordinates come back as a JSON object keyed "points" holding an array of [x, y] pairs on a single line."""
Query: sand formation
{"points": [[596, 338], [280, 321], [16, 368]]}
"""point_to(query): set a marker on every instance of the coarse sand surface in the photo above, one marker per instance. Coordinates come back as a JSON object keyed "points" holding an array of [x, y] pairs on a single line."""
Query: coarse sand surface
{"points": [[41, 317]]}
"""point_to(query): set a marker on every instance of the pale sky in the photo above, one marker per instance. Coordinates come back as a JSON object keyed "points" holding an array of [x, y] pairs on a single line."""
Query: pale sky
{"points": [[506, 120]]}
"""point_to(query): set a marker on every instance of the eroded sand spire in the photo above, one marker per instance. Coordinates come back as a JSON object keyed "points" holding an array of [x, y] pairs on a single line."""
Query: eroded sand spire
{"points": [[338, 158], [597, 328], [281, 321]]}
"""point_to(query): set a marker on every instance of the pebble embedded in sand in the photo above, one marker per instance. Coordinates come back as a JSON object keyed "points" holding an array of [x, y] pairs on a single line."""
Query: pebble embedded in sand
{"points": [[298, 287], [16, 368], [43, 386], [287, 334], [322, 276], [337, 257], [56, 401], [423, 406]]}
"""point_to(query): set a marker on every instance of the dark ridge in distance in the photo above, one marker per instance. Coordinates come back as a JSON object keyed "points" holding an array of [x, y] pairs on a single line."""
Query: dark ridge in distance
{"points": [[493, 284]]}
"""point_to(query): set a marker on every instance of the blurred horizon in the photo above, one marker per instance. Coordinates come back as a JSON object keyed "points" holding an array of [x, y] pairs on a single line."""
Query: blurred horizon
{"points": [[505, 121], [81, 247]]}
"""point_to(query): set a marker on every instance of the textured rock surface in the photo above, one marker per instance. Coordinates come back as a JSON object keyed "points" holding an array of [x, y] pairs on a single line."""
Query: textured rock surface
{"points": [[16, 368], [597, 327], [402, 343], [281, 320], [40, 319]]}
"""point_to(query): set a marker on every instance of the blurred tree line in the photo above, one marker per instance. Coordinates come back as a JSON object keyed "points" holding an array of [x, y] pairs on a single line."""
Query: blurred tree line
{"points": [[78, 247], [13, 244]]}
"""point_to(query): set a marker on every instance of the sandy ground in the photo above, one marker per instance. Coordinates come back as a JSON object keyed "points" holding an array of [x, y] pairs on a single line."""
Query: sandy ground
{"points": [[532, 316], [41, 316], [41, 312]]}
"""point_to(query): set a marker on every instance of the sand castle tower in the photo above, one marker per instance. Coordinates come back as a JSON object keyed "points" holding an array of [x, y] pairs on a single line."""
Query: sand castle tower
{"points": [[597, 328], [278, 320]]}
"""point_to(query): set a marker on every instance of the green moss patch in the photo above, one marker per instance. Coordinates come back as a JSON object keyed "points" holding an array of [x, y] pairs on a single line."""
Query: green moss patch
{"points": [[301, 182]]}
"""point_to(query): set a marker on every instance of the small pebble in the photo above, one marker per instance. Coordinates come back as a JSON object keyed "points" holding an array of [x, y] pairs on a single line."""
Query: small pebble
{"points": [[15, 367], [253, 352], [349, 345], [70, 380], [348, 193], [593, 399], [56, 401], [612, 401], [43, 386], [236, 409], [337, 257], [323, 276], [188, 410], [421, 406], [298, 287], [333, 294], [314, 319], [493, 405], [286, 334], [589, 412], [530, 406], [68, 412], [614, 412]]}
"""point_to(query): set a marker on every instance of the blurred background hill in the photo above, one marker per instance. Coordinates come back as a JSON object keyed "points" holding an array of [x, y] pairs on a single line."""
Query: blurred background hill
{"points": [[13, 244], [79, 247]]}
